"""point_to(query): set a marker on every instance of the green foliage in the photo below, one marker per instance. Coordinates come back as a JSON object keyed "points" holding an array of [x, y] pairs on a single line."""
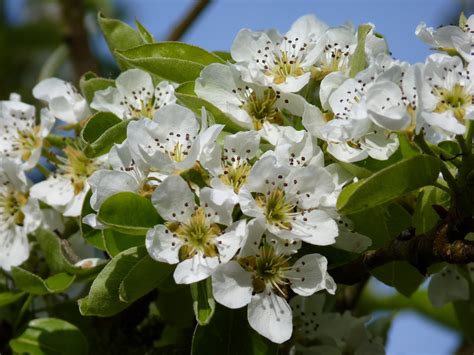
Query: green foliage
{"points": [[119, 36], [90, 83], [116, 242], [425, 218], [31, 283], [100, 142], [359, 60], [50, 336], [203, 302], [230, 334], [401, 275], [388, 184], [129, 213], [174, 61], [103, 299]]}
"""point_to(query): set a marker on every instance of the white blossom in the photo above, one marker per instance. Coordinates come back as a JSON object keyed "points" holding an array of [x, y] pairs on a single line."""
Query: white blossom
{"points": [[262, 281], [21, 137], [290, 202], [173, 140], [271, 59], [66, 188], [197, 237], [134, 96], [19, 215], [63, 99]]}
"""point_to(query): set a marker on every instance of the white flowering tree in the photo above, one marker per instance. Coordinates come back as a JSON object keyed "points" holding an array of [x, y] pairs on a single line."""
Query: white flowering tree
{"points": [[239, 202]]}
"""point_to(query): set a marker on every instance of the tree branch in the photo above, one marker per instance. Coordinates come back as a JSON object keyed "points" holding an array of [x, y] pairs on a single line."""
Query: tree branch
{"points": [[76, 38], [183, 26], [421, 251]]}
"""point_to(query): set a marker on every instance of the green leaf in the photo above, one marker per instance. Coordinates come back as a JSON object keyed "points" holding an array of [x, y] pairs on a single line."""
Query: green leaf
{"points": [[425, 218], [401, 275], [145, 276], [50, 336], [175, 61], [464, 311], [90, 83], [203, 302], [31, 283], [174, 304], [145, 35], [116, 242], [381, 223], [97, 124], [114, 135], [359, 60], [187, 97], [388, 184], [91, 235], [59, 282], [52, 250], [7, 298], [103, 299], [231, 335], [119, 36], [225, 56], [129, 213]]}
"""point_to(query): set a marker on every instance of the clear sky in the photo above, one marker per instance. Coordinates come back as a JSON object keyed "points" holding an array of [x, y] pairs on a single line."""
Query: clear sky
{"points": [[395, 19]]}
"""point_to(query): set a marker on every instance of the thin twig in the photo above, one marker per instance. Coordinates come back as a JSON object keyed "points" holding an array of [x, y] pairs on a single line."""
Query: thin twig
{"points": [[183, 26]]}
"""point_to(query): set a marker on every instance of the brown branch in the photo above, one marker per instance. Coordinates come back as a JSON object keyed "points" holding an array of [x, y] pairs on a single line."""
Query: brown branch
{"points": [[183, 26], [421, 251], [76, 38]]}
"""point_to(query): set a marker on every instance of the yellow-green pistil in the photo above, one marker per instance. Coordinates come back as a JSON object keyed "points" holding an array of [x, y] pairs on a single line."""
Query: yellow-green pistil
{"points": [[262, 108], [277, 210], [27, 141], [79, 167], [455, 100], [198, 235], [284, 67], [11, 204], [268, 269], [235, 175]]}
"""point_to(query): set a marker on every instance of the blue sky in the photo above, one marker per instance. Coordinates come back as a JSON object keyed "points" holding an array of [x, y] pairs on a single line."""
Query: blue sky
{"points": [[395, 19]]}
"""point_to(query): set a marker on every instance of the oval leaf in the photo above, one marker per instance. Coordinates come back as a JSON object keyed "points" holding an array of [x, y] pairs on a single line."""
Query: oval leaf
{"points": [[389, 183], [129, 213], [50, 336]]}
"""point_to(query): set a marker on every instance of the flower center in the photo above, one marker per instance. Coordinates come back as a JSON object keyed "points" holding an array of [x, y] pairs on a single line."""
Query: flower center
{"points": [[262, 108], [178, 153], [198, 234], [268, 269], [335, 58], [27, 141], [79, 167], [278, 211], [284, 67], [235, 175], [11, 204], [454, 100]]}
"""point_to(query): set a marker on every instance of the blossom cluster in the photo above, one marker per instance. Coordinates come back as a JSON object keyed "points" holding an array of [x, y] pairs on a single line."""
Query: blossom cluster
{"points": [[243, 206]]}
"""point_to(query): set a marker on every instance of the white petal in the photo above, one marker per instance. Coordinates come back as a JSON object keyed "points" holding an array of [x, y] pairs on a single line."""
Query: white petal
{"points": [[270, 315], [232, 285], [162, 245], [195, 269], [309, 275], [447, 286], [174, 200], [229, 242]]}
